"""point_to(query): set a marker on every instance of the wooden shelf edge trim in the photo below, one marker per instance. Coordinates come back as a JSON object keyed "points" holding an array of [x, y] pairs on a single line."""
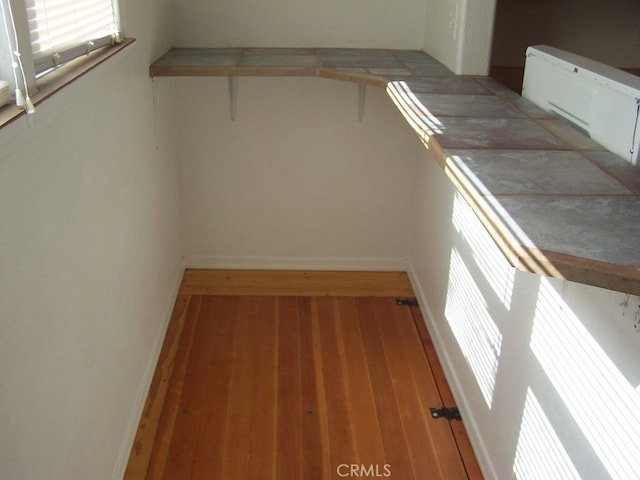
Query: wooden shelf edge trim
{"points": [[309, 283], [230, 71]]}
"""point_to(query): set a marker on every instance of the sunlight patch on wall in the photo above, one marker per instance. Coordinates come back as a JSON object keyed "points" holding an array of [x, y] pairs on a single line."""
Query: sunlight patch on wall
{"points": [[477, 335], [492, 263], [540, 453], [602, 402]]}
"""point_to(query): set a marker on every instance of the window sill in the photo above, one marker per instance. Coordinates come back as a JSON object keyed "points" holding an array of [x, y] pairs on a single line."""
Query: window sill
{"points": [[60, 78]]}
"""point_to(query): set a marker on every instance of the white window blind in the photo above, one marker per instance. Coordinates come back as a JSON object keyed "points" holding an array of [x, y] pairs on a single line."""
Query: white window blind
{"points": [[62, 30]]}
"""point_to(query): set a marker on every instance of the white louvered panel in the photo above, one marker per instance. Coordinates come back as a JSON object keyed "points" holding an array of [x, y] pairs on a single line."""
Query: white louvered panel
{"points": [[601, 100], [62, 29]]}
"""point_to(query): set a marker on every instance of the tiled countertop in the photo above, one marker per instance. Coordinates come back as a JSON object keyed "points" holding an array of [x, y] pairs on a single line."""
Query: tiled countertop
{"points": [[555, 202]]}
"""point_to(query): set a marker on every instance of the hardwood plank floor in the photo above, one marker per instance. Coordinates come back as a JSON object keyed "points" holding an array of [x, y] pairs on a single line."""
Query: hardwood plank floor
{"points": [[295, 283], [316, 386]]}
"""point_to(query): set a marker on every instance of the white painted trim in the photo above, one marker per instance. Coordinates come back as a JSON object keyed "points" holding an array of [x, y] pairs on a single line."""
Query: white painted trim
{"points": [[477, 442], [141, 396], [297, 263]]}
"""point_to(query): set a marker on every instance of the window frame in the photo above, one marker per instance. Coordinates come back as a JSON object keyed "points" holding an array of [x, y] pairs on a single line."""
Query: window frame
{"points": [[61, 77], [42, 86]]}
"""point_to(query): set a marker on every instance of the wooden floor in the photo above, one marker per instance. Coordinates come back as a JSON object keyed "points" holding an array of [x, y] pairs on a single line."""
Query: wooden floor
{"points": [[297, 375]]}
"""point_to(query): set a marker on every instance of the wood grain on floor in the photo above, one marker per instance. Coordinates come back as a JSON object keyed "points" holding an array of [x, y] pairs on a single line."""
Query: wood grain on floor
{"points": [[290, 386]]}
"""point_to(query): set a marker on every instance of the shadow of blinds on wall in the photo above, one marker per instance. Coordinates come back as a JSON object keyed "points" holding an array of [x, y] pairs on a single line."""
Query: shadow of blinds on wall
{"points": [[62, 30]]}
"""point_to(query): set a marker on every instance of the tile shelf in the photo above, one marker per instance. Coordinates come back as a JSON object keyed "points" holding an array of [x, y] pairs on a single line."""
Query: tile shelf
{"points": [[555, 202]]}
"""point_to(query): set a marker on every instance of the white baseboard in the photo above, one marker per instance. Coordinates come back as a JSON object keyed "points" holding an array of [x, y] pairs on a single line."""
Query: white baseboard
{"points": [[297, 263], [471, 426], [147, 376]]}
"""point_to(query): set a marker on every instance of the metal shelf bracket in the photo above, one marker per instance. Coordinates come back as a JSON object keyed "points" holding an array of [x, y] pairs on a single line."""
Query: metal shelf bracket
{"points": [[362, 90], [233, 95]]}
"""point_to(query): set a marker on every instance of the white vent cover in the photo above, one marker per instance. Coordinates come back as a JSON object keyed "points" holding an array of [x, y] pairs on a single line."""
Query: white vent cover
{"points": [[601, 100]]}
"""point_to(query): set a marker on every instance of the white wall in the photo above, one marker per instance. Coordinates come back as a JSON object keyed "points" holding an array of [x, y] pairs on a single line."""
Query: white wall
{"points": [[608, 32], [458, 33], [440, 31], [538, 366], [89, 263], [296, 180], [302, 23]]}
